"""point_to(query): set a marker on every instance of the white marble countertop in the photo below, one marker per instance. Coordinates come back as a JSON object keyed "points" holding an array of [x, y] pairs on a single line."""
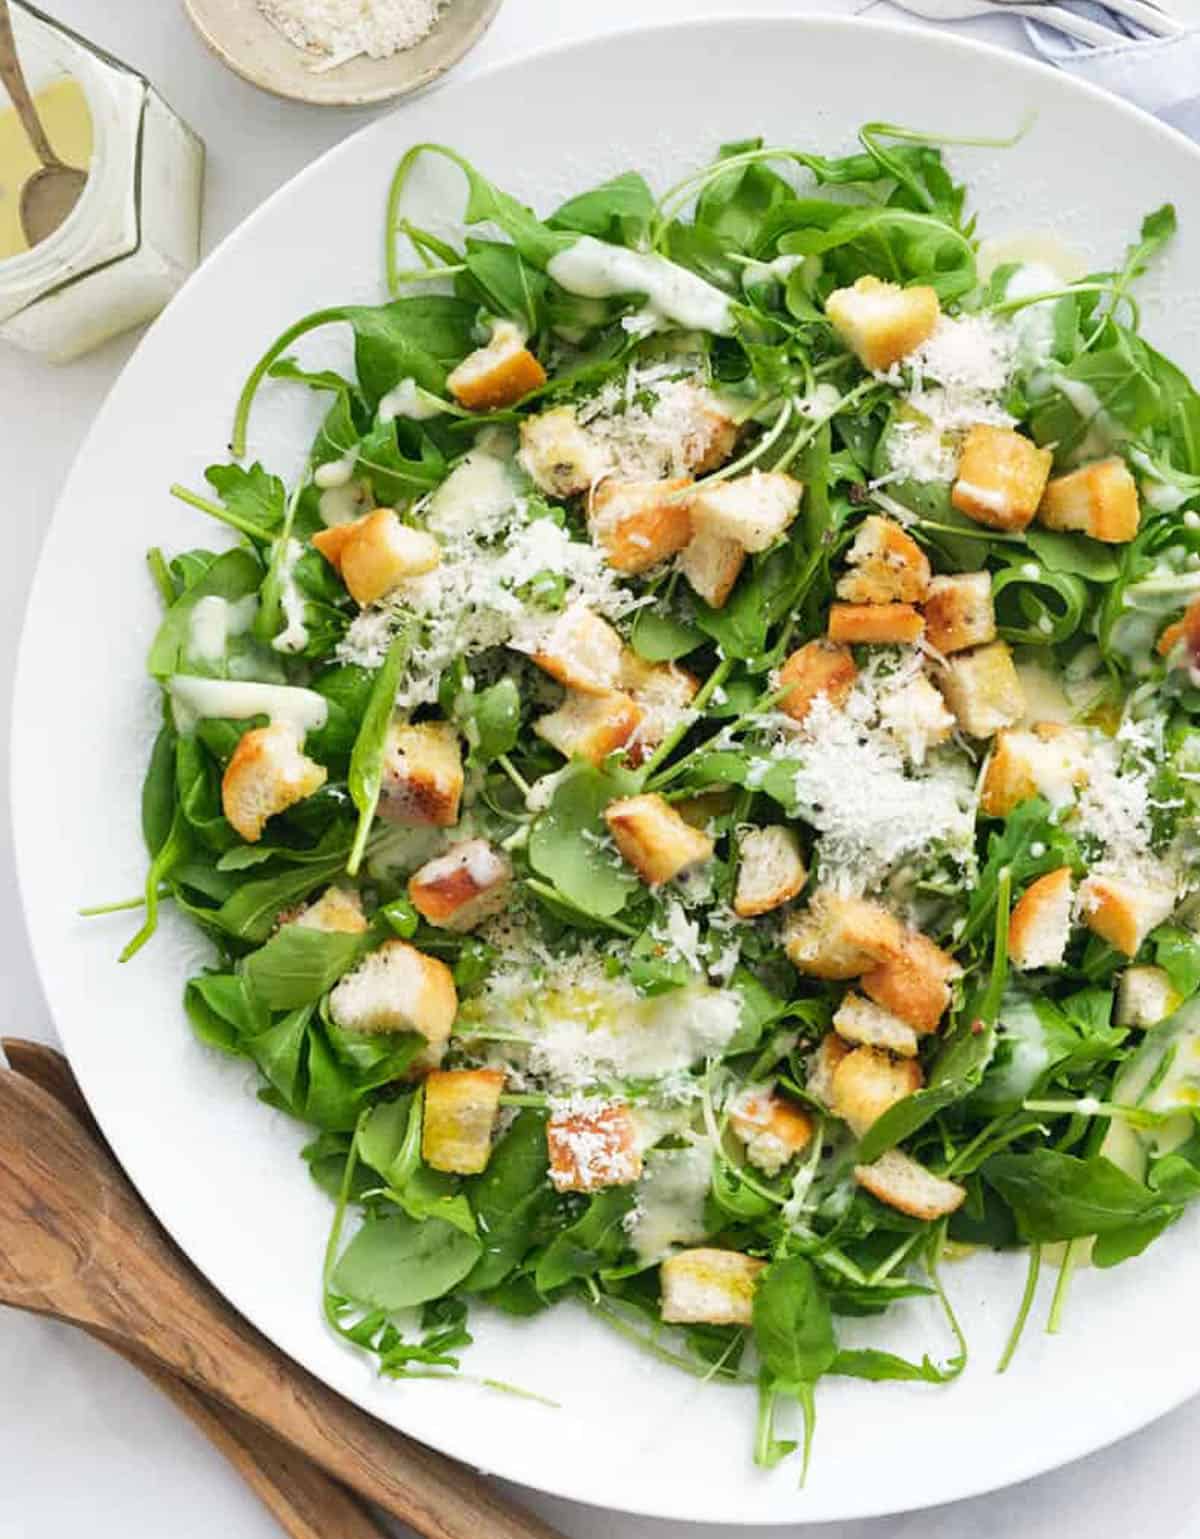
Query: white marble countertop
{"points": [[85, 1446]]}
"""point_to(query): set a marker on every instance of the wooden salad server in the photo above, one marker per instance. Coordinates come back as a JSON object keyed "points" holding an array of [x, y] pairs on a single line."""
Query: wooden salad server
{"points": [[78, 1244]]}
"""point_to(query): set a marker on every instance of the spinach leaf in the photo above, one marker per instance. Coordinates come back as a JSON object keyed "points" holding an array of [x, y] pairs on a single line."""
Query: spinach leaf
{"points": [[594, 1240], [1056, 1196], [1177, 952], [509, 1199], [793, 1332], [564, 840], [250, 914], [619, 210], [366, 761], [660, 638], [158, 791], [232, 576], [298, 965], [393, 1263], [1075, 554]]}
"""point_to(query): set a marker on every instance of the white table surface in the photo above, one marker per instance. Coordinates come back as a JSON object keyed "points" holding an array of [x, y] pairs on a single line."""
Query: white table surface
{"points": [[85, 1447]]}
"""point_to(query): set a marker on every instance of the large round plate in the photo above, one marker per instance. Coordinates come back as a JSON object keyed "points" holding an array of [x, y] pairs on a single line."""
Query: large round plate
{"points": [[220, 1169]]}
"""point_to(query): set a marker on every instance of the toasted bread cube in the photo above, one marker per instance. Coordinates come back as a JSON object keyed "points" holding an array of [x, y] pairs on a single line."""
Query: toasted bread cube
{"points": [[458, 890], [886, 566], [496, 375], [867, 1082], [867, 1024], [879, 322], [582, 651], [914, 983], [1040, 924], [816, 668], [875, 624], [709, 1287], [1123, 912], [590, 1150], [1049, 759], [654, 839], [663, 692], [376, 553], [771, 870], [422, 774], [397, 988], [558, 455], [772, 1128], [712, 564], [959, 612], [755, 510], [823, 1064], [460, 1113], [838, 937], [267, 773], [640, 523], [590, 726], [1100, 499], [338, 911], [1186, 630], [716, 440], [1145, 996], [1001, 477], [916, 716], [981, 687], [900, 1182]]}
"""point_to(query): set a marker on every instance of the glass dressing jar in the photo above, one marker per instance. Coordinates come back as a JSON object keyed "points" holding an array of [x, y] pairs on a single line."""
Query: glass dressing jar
{"points": [[133, 236]]}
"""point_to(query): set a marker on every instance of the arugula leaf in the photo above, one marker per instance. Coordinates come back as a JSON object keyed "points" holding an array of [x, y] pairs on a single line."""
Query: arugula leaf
{"points": [[370, 746], [594, 1240], [793, 1332]]}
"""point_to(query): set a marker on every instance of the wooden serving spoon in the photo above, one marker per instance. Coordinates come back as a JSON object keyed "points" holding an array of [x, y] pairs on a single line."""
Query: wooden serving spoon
{"points": [[305, 1502], [78, 1244]]}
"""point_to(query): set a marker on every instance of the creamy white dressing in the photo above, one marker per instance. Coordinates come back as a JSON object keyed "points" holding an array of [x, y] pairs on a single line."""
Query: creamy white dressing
{"points": [[1034, 324], [343, 504], [334, 473], [1178, 1090], [213, 621], [294, 636], [670, 1201], [1044, 696], [194, 700], [475, 493], [1103, 431], [409, 400], [594, 269]]}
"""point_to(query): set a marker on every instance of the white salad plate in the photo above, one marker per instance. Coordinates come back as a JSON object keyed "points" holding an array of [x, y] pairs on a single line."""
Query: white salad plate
{"points": [[220, 1169]]}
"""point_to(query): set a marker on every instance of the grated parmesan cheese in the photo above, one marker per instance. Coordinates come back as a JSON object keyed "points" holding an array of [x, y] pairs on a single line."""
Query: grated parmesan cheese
{"points": [[648, 440], [342, 29]]}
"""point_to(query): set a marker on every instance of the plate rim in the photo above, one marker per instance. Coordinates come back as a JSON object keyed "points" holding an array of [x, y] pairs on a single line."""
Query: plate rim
{"points": [[23, 774]]}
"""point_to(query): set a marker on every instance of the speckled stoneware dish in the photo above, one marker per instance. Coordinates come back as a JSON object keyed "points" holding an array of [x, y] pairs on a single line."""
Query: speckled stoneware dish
{"points": [[242, 37]]}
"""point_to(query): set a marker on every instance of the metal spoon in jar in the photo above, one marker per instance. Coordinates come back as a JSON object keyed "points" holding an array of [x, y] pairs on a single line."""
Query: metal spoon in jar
{"points": [[52, 192]]}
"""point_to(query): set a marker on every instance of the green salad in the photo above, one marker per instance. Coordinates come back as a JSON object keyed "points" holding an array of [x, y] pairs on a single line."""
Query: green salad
{"points": [[692, 786]]}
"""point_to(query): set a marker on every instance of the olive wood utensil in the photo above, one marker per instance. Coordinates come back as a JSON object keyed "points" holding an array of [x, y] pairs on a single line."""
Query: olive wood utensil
{"points": [[78, 1244]]}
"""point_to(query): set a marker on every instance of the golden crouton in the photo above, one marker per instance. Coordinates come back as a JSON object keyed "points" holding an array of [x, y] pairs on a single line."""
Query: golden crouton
{"points": [[1100, 499], [460, 1113], [422, 774], [755, 510], [558, 455], [867, 1024], [267, 773], [709, 1287], [590, 1150], [816, 668], [459, 889], [397, 988], [1186, 630], [1048, 760], [900, 1182], [1001, 477], [772, 1128], [823, 1064], [716, 440], [640, 523], [914, 982], [661, 691], [581, 651], [338, 911], [1040, 924], [1123, 912], [654, 839], [959, 612], [886, 566], [916, 716], [377, 552], [495, 376], [875, 624], [590, 726], [867, 1082], [1145, 996], [838, 937], [711, 563], [879, 322], [981, 687], [771, 870]]}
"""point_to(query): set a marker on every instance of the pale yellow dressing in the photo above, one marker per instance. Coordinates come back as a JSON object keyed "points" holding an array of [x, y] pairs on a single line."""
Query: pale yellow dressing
{"points": [[63, 109]]}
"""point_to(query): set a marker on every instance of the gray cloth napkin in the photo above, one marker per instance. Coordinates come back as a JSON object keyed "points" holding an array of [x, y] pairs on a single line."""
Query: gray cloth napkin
{"points": [[1160, 74]]}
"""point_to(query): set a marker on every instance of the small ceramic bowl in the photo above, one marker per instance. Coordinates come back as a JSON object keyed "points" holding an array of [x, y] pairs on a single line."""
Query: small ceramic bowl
{"points": [[242, 37]]}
